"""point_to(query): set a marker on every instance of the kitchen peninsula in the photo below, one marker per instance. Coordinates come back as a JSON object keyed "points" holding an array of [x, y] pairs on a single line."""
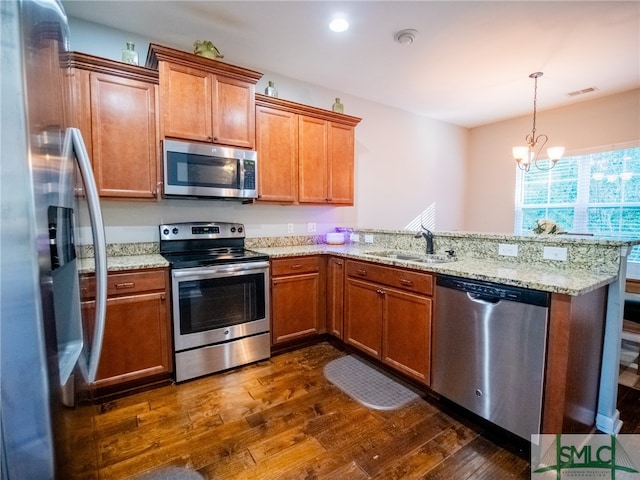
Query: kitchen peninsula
{"points": [[586, 297]]}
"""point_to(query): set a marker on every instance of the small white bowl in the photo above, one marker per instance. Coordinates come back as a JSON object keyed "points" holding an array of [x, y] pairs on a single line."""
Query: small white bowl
{"points": [[335, 238]]}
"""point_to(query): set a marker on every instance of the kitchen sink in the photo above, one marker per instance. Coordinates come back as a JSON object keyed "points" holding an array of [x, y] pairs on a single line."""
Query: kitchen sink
{"points": [[413, 257]]}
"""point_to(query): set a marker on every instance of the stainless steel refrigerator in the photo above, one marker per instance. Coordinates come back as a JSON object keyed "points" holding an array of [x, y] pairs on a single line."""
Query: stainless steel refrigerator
{"points": [[48, 353]]}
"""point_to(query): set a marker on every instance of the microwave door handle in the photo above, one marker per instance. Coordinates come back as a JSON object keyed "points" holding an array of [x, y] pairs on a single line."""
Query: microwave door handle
{"points": [[100, 246], [241, 174]]}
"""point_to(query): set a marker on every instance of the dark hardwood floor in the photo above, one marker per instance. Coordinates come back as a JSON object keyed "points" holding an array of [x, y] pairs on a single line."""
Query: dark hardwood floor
{"points": [[280, 419]]}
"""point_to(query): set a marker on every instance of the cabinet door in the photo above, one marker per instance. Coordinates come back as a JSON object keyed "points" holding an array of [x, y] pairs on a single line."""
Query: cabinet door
{"points": [[407, 333], [233, 112], [80, 105], [335, 296], [123, 136], [295, 302], [277, 144], [136, 339], [312, 160], [185, 102], [340, 164], [363, 316]]}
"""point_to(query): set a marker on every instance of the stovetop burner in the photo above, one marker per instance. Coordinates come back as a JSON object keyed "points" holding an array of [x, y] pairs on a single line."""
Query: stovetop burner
{"points": [[197, 244]]}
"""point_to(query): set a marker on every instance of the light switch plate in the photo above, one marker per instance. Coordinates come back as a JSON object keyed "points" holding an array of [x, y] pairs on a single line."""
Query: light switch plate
{"points": [[555, 253], [508, 249], [311, 227], [354, 237], [289, 227], [368, 239]]}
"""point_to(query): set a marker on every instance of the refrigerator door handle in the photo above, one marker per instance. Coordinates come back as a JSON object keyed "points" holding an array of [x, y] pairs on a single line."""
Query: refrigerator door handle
{"points": [[100, 247]]}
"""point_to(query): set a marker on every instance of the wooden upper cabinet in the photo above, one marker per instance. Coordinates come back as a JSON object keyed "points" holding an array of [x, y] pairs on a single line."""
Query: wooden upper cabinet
{"points": [[277, 146], [306, 154], [233, 112], [114, 105], [326, 162], [203, 99], [185, 102], [312, 160], [340, 164]]}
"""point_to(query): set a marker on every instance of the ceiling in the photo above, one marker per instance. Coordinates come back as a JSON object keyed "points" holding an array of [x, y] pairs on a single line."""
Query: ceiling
{"points": [[469, 64]]}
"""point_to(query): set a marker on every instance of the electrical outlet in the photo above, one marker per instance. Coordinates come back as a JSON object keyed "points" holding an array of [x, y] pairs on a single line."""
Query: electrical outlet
{"points": [[555, 253], [311, 227], [508, 249], [289, 227], [368, 239], [354, 237]]}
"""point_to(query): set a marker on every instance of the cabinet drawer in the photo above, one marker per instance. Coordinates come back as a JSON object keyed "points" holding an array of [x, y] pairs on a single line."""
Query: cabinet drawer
{"points": [[126, 283], [292, 266], [394, 277]]}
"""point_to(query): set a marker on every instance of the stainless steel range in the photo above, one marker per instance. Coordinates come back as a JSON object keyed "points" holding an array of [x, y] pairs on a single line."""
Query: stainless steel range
{"points": [[220, 297]]}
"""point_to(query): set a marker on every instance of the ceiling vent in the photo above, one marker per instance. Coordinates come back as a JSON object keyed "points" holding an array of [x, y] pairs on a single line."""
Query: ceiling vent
{"points": [[582, 92]]}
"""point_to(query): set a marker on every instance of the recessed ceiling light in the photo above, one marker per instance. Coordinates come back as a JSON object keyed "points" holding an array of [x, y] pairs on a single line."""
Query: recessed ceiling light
{"points": [[339, 25]]}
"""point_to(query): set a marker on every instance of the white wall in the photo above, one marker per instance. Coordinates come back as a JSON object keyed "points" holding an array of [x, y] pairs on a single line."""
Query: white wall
{"points": [[490, 187], [404, 164]]}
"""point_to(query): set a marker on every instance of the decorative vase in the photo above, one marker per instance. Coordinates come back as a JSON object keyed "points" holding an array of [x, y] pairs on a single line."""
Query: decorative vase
{"points": [[338, 107], [129, 54], [271, 90], [205, 48]]}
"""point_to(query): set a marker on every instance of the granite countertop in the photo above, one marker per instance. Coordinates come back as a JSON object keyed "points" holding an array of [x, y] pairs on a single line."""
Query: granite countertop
{"points": [[570, 281], [125, 262], [567, 281]]}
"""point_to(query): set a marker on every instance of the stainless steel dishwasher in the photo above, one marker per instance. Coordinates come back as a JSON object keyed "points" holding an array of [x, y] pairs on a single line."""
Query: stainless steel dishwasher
{"points": [[489, 347]]}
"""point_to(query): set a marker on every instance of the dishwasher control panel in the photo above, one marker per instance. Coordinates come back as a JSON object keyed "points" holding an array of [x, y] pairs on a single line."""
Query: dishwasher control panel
{"points": [[495, 290]]}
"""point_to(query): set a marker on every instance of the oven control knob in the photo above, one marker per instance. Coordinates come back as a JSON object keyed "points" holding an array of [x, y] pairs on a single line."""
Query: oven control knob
{"points": [[175, 230], [226, 332], [233, 229], [239, 229], [165, 231]]}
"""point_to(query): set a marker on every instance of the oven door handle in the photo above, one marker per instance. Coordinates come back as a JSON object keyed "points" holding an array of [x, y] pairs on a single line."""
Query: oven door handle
{"points": [[203, 272]]}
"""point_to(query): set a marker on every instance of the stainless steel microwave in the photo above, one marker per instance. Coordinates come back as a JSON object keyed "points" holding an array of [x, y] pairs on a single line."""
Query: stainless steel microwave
{"points": [[205, 170]]}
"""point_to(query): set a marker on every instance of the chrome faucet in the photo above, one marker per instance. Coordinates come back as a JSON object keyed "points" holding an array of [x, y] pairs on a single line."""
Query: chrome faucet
{"points": [[428, 236]]}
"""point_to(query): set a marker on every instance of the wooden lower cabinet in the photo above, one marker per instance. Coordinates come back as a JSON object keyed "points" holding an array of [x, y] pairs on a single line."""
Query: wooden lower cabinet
{"points": [[388, 316], [137, 339], [335, 296], [406, 333], [297, 298]]}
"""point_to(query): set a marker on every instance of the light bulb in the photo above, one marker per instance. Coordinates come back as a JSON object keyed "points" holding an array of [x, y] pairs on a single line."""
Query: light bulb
{"points": [[555, 153], [339, 25]]}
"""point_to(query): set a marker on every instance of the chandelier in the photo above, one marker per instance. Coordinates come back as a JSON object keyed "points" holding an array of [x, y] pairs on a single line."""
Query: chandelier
{"points": [[526, 156]]}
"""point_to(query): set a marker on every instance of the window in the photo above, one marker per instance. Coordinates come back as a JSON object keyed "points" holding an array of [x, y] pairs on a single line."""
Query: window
{"points": [[595, 192]]}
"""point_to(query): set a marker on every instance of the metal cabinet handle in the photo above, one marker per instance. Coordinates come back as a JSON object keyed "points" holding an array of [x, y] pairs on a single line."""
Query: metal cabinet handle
{"points": [[125, 285], [380, 291], [361, 272], [406, 282], [296, 266], [339, 263]]}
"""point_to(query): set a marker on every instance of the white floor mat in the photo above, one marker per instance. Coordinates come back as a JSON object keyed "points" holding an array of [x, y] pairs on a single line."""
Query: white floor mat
{"points": [[367, 385]]}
